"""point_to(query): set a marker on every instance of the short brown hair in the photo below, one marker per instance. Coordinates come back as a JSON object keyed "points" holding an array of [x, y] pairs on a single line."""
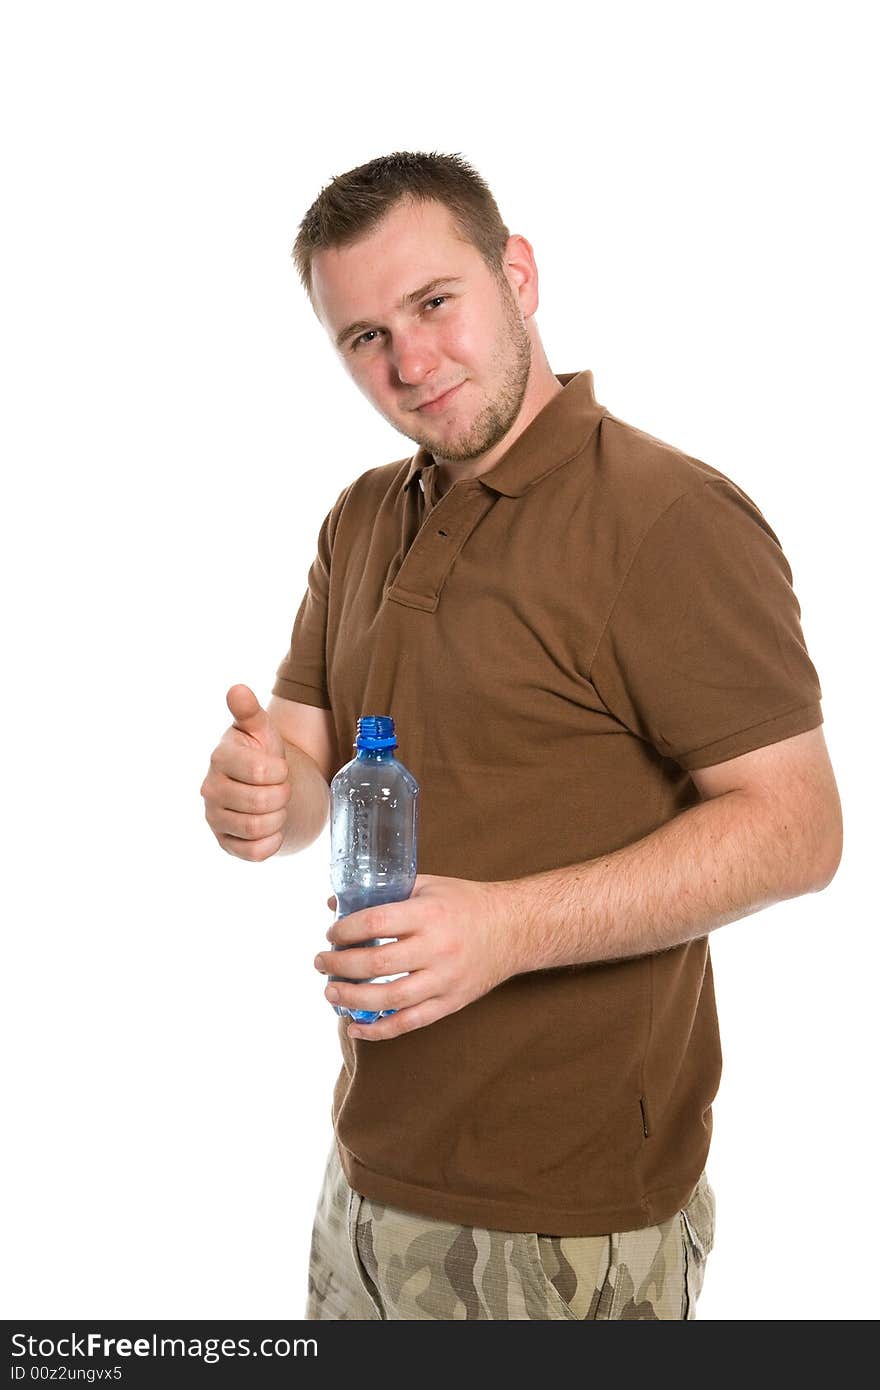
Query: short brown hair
{"points": [[353, 204]]}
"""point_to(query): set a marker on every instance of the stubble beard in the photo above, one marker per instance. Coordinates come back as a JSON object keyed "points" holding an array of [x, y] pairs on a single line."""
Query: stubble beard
{"points": [[514, 357]]}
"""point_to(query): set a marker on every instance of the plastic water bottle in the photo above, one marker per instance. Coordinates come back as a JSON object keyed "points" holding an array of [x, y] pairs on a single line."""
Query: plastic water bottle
{"points": [[374, 815]]}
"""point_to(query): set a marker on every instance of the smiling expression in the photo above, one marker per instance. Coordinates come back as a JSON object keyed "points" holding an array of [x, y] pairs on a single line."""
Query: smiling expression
{"points": [[415, 312]]}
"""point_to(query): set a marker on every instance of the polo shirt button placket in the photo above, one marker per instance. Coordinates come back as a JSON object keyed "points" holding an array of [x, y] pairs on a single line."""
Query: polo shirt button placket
{"points": [[424, 571]]}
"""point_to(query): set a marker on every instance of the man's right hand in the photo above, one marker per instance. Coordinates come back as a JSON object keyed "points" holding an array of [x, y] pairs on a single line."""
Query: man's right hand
{"points": [[247, 789]]}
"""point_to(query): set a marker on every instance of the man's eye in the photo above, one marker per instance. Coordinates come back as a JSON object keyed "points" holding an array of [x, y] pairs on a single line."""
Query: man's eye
{"points": [[362, 339]]}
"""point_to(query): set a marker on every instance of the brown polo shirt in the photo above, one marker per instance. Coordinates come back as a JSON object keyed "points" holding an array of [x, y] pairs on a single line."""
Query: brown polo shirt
{"points": [[559, 642]]}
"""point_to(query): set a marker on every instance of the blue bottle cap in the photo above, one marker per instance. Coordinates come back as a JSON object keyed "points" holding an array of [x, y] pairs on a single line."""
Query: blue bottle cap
{"points": [[376, 731]]}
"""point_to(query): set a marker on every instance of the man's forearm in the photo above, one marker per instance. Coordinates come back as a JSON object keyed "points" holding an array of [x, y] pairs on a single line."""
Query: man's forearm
{"points": [[309, 803], [716, 862]]}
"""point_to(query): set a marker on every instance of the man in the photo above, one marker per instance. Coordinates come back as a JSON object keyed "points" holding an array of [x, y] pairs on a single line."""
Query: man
{"points": [[591, 649]]}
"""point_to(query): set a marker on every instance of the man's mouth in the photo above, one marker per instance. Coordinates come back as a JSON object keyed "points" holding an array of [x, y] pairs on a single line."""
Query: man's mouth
{"points": [[440, 402]]}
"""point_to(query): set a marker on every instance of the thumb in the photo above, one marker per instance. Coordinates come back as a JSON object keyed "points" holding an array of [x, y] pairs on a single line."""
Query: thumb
{"points": [[249, 716]]}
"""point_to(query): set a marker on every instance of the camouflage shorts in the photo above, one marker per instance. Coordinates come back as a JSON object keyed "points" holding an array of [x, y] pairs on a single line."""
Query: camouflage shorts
{"points": [[370, 1261]]}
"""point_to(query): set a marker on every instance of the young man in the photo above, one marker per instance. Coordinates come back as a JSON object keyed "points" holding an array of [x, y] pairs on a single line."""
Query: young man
{"points": [[592, 652]]}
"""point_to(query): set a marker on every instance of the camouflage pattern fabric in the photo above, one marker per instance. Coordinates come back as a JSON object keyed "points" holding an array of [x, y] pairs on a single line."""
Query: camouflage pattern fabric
{"points": [[370, 1261]]}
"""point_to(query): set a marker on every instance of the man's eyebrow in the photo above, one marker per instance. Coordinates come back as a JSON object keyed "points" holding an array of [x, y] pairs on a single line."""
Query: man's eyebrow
{"points": [[404, 304]]}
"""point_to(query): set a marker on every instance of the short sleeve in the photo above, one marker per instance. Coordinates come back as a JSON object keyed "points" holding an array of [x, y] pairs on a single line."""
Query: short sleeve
{"points": [[302, 674], [703, 653]]}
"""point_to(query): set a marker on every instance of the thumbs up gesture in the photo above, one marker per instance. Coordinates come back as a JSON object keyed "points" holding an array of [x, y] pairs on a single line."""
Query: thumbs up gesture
{"points": [[247, 788]]}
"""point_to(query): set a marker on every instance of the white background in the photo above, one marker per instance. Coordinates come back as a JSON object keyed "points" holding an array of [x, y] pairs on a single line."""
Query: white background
{"points": [[695, 181]]}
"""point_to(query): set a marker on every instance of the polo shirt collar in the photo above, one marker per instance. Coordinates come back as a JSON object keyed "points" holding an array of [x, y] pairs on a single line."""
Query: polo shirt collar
{"points": [[558, 432]]}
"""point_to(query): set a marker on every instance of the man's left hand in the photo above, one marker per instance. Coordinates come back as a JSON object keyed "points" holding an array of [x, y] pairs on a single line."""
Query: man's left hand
{"points": [[453, 940]]}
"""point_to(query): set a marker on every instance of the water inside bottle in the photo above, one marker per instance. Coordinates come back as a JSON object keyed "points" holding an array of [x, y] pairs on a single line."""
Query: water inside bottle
{"points": [[355, 899]]}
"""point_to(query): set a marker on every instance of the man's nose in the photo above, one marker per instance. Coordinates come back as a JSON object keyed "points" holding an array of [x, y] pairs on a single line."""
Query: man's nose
{"points": [[413, 355]]}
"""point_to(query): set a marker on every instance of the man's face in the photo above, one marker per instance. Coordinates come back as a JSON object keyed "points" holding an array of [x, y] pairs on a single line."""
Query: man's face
{"points": [[466, 333]]}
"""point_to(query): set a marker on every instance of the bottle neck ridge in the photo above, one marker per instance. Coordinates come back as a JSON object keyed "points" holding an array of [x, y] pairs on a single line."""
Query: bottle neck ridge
{"points": [[376, 755]]}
